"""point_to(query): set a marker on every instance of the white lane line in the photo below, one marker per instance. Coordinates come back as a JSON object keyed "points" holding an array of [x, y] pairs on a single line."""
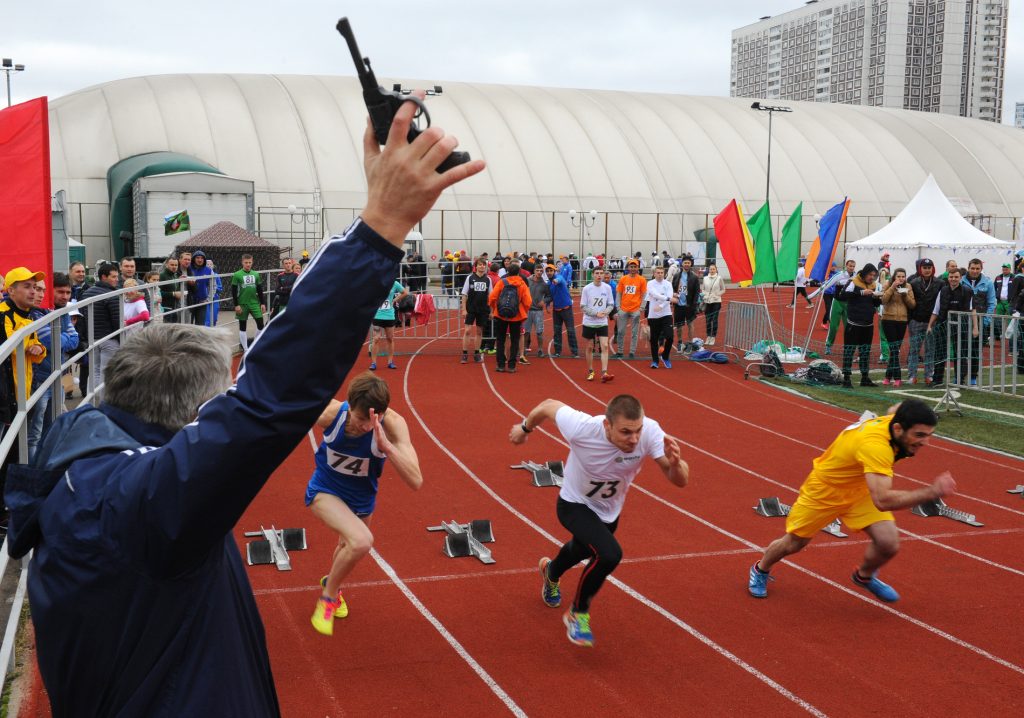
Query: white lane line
{"points": [[425, 612], [780, 435], [721, 650], [748, 386], [796, 490], [490, 573], [505, 698], [858, 595]]}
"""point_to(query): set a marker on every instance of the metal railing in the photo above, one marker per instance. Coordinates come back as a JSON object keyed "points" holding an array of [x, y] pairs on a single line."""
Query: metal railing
{"points": [[27, 396], [987, 362], [503, 231]]}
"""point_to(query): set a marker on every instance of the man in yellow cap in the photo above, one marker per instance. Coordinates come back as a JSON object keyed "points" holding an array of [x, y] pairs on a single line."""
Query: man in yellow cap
{"points": [[20, 284]]}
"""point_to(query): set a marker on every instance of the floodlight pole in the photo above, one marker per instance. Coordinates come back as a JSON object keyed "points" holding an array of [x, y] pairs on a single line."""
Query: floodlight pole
{"points": [[771, 110], [8, 66], [586, 220]]}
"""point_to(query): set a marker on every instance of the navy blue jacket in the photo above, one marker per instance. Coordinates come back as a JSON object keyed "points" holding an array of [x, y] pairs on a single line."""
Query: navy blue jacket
{"points": [[140, 601]]}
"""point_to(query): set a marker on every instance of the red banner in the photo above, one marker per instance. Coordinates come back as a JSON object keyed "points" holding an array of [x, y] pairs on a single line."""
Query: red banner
{"points": [[26, 235], [732, 244]]}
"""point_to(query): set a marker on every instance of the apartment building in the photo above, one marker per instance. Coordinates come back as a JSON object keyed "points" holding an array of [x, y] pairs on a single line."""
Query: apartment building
{"points": [[931, 55]]}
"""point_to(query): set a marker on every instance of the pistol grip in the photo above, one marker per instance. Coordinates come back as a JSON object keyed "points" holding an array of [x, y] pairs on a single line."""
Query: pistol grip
{"points": [[453, 160]]}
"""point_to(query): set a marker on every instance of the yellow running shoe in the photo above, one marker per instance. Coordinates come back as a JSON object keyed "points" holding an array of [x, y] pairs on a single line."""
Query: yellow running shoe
{"points": [[323, 615], [342, 610]]}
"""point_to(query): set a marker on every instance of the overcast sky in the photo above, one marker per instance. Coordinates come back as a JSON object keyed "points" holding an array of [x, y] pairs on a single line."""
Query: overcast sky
{"points": [[677, 47]]}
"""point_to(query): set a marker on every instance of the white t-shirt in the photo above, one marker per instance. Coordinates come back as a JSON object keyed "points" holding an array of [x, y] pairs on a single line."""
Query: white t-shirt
{"points": [[597, 474], [596, 299], [659, 296], [801, 277]]}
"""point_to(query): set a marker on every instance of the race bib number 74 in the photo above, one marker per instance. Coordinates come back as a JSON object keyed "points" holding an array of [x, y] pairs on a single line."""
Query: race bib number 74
{"points": [[349, 465]]}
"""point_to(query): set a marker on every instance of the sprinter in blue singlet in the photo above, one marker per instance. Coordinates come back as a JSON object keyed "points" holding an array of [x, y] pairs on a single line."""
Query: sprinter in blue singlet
{"points": [[359, 434]]}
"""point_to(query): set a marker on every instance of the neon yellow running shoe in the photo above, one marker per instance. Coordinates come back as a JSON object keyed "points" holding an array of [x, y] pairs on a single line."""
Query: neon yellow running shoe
{"points": [[578, 628], [342, 610], [323, 615]]}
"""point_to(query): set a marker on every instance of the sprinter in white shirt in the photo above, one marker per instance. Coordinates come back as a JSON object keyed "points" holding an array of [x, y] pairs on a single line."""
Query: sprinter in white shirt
{"points": [[597, 301], [605, 455]]}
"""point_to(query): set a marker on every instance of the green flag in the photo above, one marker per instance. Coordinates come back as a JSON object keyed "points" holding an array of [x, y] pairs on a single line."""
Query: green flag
{"points": [[760, 226], [176, 221], [789, 248]]}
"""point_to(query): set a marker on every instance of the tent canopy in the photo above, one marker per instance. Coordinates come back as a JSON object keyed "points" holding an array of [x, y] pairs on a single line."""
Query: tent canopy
{"points": [[930, 226]]}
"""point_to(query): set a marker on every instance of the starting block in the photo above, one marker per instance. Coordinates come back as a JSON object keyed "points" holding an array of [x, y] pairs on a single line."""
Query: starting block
{"points": [[939, 508], [772, 507], [550, 474], [1019, 490], [467, 539], [274, 546]]}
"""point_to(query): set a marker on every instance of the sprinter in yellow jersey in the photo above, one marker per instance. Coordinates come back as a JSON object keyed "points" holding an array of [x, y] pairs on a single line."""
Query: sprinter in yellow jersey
{"points": [[852, 481]]}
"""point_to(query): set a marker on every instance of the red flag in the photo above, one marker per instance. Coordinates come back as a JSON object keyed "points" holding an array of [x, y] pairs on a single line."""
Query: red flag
{"points": [[26, 238], [732, 244]]}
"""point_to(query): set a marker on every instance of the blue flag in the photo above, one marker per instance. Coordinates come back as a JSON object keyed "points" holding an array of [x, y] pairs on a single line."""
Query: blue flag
{"points": [[829, 228]]}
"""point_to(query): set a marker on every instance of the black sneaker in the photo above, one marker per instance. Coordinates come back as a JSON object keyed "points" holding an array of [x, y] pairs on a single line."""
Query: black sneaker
{"points": [[499, 369], [866, 381], [847, 384]]}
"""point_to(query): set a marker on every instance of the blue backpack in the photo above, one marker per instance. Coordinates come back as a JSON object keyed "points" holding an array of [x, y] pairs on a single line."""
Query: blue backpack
{"points": [[508, 301]]}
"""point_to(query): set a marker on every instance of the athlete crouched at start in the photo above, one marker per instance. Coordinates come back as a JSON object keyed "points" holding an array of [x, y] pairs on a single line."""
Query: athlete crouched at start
{"points": [[359, 434]]}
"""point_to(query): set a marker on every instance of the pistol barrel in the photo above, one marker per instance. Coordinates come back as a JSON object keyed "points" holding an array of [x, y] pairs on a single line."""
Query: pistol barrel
{"points": [[362, 68]]}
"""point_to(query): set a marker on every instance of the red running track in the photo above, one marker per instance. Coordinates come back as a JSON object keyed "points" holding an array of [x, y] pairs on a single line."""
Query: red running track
{"points": [[676, 632]]}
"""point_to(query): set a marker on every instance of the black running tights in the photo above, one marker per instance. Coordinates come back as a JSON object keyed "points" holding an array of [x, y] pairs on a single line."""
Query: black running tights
{"points": [[593, 541]]}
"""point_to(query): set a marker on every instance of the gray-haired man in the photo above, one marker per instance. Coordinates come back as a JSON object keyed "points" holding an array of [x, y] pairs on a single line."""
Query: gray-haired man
{"points": [[139, 598]]}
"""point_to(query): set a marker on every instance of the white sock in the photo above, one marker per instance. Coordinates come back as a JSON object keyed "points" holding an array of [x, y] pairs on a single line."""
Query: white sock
{"points": [[243, 339]]}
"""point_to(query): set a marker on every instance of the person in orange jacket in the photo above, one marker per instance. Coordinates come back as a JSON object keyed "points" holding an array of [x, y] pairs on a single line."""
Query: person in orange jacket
{"points": [[509, 315]]}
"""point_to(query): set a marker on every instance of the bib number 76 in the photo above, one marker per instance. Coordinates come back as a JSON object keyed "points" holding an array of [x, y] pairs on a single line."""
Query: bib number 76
{"points": [[604, 489]]}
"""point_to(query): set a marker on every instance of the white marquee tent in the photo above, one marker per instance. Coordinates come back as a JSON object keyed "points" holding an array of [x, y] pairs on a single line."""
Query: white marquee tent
{"points": [[931, 227]]}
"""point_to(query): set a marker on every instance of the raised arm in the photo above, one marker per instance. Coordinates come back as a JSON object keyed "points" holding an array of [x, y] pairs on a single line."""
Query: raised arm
{"points": [[544, 411], [211, 470], [672, 464], [393, 440], [886, 498]]}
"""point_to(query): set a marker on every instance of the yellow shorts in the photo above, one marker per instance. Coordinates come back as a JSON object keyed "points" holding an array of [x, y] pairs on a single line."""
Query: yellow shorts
{"points": [[809, 516]]}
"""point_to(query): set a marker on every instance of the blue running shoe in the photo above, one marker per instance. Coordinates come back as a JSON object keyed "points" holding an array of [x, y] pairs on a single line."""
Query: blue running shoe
{"points": [[666, 363], [974, 382], [373, 366], [578, 628], [882, 591], [758, 584], [550, 591], [654, 365], [391, 365]]}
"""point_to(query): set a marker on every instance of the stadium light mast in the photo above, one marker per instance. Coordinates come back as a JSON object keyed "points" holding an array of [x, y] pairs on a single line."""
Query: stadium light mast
{"points": [[300, 215], [8, 66], [583, 221], [771, 110]]}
